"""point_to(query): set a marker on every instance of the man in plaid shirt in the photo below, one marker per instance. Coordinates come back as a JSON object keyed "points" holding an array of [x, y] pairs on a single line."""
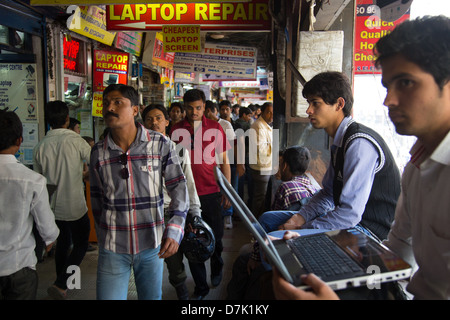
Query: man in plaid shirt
{"points": [[126, 173]]}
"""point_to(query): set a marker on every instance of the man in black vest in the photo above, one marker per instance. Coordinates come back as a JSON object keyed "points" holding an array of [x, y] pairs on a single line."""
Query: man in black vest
{"points": [[362, 183]]}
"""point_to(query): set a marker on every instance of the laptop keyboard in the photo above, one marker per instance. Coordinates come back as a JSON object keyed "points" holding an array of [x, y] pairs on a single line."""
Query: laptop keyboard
{"points": [[320, 255]]}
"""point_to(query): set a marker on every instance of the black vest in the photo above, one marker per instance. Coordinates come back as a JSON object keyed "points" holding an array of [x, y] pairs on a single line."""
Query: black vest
{"points": [[380, 208]]}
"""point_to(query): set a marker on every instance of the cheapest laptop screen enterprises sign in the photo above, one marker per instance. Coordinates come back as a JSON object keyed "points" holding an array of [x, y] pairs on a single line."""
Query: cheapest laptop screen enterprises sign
{"points": [[232, 16]]}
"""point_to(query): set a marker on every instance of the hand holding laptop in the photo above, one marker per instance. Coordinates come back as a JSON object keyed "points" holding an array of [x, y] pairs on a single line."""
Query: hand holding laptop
{"points": [[284, 290]]}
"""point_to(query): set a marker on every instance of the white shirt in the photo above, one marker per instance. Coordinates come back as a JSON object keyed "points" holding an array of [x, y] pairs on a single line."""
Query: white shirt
{"points": [[23, 200], [59, 157], [421, 231], [264, 146]]}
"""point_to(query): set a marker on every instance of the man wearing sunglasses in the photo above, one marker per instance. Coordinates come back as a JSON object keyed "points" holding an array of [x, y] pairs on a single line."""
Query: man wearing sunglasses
{"points": [[127, 170]]}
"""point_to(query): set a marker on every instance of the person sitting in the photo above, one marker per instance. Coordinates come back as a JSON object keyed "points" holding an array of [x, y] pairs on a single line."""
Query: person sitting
{"points": [[295, 190]]}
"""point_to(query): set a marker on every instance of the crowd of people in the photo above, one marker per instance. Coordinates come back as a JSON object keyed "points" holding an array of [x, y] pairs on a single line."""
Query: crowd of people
{"points": [[149, 179]]}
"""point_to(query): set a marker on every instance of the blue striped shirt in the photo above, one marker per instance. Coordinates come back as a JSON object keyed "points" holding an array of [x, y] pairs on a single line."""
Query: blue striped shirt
{"points": [[129, 213]]}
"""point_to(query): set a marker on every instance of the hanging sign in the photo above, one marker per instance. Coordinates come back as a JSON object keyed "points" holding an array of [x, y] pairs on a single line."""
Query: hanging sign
{"points": [[181, 38], [219, 59], [238, 16], [90, 22]]}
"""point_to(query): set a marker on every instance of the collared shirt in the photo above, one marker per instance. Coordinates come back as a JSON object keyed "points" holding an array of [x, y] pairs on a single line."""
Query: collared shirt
{"points": [[129, 212], [208, 141], [421, 230], [292, 191], [23, 200], [263, 161], [361, 160], [59, 157]]}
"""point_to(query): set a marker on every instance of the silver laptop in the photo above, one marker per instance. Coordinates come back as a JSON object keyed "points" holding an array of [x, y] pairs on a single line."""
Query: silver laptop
{"points": [[341, 258]]}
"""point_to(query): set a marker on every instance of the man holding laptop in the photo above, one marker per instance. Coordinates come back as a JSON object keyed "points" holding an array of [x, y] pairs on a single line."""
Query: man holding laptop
{"points": [[415, 64]]}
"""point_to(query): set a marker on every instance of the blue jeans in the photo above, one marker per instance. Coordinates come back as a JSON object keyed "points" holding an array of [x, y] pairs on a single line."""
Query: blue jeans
{"points": [[114, 270], [271, 220]]}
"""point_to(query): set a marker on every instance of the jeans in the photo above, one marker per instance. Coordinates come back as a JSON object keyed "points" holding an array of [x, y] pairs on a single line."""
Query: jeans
{"points": [[70, 232], [271, 220], [114, 270]]}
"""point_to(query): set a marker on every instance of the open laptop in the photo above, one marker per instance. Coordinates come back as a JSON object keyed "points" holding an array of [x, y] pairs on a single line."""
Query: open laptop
{"points": [[341, 258]]}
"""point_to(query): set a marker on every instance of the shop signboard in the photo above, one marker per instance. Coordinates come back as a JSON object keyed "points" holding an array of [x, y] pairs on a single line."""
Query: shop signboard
{"points": [[89, 21], [110, 67], [369, 28], [252, 15], [219, 59]]}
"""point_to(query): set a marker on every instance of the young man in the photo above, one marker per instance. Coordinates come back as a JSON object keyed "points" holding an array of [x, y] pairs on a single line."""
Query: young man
{"points": [[206, 140], [211, 112], [415, 64], [242, 160], [262, 169], [60, 157], [362, 183], [126, 171], [156, 118], [23, 201]]}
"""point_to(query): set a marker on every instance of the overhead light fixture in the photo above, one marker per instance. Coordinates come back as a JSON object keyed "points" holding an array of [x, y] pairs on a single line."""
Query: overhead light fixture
{"points": [[217, 36]]}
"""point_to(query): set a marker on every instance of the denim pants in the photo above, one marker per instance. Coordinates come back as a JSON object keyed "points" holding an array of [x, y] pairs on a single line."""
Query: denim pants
{"points": [[114, 270], [271, 220]]}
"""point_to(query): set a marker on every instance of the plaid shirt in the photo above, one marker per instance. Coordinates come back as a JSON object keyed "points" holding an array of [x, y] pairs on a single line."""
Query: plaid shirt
{"points": [[129, 213], [292, 191]]}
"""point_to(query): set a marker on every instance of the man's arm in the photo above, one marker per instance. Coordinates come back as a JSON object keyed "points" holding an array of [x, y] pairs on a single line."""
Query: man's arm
{"points": [[43, 215], [360, 162]]}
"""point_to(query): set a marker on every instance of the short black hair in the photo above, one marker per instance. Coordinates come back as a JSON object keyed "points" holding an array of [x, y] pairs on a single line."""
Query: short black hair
{"points": [[176, 105], [330, 86], [127, 91], [10, 129], [243, 111], [56, 113], [424, 41], [225, 103], [211, 105], [265, 105], [151, 107], [73, 122], [297, 158], [194, 95]]}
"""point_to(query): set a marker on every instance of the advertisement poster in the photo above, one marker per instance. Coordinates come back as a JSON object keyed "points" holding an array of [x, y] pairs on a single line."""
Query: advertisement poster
{"points": [[18, 90], [160, 57], [130, 42], [110, 67], [369, 28], [219, 59]]}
